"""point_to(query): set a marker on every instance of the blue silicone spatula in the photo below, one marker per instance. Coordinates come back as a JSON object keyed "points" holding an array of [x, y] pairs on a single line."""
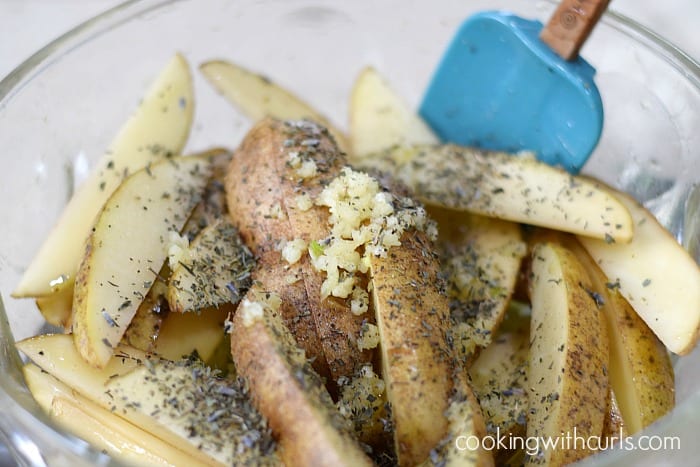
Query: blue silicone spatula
{"points": [[510, 84]]}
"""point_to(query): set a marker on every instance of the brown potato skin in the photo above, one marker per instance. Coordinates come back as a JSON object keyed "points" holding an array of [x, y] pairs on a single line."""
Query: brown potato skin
{"points": [[291, 395], [412, 314], [261, 181]]}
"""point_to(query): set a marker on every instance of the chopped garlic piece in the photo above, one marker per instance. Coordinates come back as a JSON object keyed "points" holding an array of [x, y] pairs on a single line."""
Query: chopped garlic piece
{"points": [[303, 202], [292, 250], [251, 312], [369, 336], [307, 169], [178, 250]]}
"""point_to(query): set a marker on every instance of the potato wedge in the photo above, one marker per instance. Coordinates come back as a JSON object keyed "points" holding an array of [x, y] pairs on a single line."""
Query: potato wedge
{"points": [[656, 276], [215, 269], [568, 365], [641, 374], [380, 119], [287, 390], [98, 426], [412, 314], [57, 307], [210, 417], [141, 391], [128, 245], [275, 175], [519, 189], [499, 379], [362, 400], [57, 355], [258, 97], [144, 328], [159, 128], [466, 428], [480, 260], [181, 334], [614, 427]]}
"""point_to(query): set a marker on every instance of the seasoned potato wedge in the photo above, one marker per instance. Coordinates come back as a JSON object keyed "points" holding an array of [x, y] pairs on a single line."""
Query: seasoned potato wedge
{"points": [[276, 173], [496, 184], [141, 391], [145, 326], [159, 128], [656, 276], [98, 426], [466, 426], [480, 258], [499, 379], [287, 390], [258, 97], [568, 361], [412, 314], [127, 246], [213, 270], [641, 374]]}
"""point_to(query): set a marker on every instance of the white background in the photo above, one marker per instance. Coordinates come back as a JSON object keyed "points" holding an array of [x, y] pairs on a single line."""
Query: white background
{"points": [[27, 25]]}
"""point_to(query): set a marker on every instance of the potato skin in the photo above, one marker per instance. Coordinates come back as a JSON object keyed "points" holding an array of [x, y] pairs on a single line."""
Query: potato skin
{"points": [[290, 394], [262, 187], [412, 313]]}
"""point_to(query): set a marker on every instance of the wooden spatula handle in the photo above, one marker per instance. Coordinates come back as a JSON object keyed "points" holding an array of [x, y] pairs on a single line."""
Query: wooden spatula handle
{"points": [[570, 25]]}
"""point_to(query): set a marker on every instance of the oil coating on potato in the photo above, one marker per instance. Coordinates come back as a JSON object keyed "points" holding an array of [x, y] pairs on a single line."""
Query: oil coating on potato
{"points": [[264, 192]]}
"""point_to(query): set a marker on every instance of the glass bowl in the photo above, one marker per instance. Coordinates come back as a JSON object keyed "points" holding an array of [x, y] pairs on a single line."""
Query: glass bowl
{"points": [[60, 109]]}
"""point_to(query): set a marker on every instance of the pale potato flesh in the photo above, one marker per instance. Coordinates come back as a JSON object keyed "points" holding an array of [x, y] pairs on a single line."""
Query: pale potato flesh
{"points": [[658, 278], [258, 97], [183, 333], [159, 128], [127, 247], [57, 307], [99, 426], [380, 119], [568, 362], [519, 189]]}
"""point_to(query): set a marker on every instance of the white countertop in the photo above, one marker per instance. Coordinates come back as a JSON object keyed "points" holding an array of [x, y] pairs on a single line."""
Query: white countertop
{"points": [[28, 25]]}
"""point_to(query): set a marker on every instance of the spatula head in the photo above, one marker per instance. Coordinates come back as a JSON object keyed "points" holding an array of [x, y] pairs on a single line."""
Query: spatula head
{"points": [[500, 87]]}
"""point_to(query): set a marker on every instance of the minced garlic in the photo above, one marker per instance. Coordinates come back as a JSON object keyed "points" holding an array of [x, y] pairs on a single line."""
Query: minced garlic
{"points": [[303, 202], [365, 220], [293, 249], [178, 250], [369, 336], [250, 312]]}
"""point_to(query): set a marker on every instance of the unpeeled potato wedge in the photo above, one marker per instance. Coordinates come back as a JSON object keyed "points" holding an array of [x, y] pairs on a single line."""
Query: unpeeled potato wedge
{"points": [[159, 128], [98, 426], [127, 247], [641, 374], [258, 97], [287, 390], [480, 258], [658, 278], [568, 361], [518, 188], [380, 119], [412, 315], [462, 447], [213, 270]]}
